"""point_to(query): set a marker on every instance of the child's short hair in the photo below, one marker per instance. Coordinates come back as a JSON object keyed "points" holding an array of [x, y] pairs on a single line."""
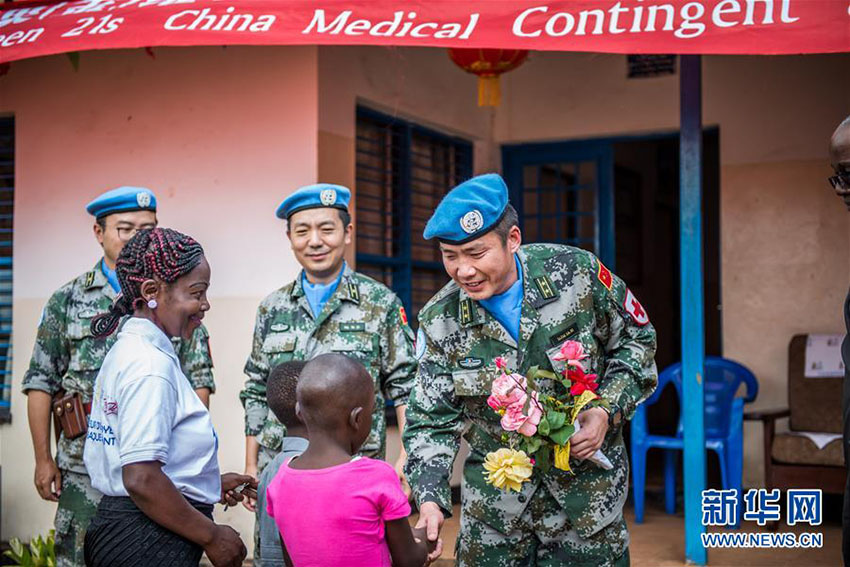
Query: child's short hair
{"points": [[280, 391]]}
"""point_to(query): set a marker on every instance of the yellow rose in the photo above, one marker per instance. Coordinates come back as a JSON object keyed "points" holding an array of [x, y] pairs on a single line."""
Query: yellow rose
{"points": [[507, 469], [562, 457]]}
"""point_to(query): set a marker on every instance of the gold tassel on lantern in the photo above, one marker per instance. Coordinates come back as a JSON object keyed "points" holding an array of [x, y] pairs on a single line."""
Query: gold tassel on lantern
{"points": [[489, 91], [487, 64]]}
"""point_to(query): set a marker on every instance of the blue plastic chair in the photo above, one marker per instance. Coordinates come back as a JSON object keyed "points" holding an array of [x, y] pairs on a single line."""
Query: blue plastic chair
{"points": [[724, 414]]}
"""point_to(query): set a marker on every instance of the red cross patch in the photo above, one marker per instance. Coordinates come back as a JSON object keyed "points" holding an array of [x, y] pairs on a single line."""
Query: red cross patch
{"points": [[635, 309], [604, 275], [403, 314]]}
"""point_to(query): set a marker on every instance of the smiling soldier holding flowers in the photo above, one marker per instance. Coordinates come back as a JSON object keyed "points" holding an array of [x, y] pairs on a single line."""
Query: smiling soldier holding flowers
{"points": [[573, 334]]}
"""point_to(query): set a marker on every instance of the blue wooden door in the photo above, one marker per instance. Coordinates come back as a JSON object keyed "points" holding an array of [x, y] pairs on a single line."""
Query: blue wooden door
{"points": [[563, 192]]}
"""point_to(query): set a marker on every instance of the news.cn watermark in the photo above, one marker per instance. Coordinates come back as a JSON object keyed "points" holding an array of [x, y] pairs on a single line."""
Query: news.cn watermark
{"points": [[721, 508]]}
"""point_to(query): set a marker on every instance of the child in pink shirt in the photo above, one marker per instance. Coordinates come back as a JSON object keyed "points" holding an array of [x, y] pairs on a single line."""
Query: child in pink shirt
{"points": [[332, 508]]}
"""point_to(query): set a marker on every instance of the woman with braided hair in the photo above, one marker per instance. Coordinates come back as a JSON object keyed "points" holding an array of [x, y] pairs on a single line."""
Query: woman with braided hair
{"points": [[151, 448]]}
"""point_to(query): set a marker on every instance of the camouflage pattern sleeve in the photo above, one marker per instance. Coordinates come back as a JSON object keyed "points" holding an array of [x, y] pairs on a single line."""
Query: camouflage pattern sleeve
{"points": [[253, 395], [629, 375], [398, 360], [51, 352], [196, 360], [435, 421]]}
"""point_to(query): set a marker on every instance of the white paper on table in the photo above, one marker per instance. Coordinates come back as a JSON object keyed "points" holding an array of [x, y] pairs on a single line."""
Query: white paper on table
{"points": [[823, 356], [819, 439], [598, 458]]}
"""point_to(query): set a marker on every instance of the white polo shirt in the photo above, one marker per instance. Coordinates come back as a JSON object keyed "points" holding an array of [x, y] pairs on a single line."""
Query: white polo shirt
{"points": [[144, 409]]}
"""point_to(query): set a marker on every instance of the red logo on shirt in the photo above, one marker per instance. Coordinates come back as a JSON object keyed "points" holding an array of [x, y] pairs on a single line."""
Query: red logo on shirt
{"points": [[110, 407], [403, 314]]}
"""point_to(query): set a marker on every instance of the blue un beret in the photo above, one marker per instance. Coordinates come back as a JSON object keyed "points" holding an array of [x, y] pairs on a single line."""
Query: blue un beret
{"points": [[122, 200], [470, 210], [313, 197]]}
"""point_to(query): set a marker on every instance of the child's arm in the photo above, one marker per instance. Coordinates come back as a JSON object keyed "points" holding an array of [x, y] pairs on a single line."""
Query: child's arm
{"points": [[405, 551]]}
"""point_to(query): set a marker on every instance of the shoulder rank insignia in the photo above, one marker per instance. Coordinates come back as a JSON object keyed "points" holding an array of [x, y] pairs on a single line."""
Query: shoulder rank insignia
{"points": [[470, 363], [89, 278], [545, 287], [604, 275], [465, 311], [353, 292]]}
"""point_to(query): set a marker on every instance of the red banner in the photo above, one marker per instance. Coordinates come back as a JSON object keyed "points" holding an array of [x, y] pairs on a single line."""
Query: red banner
{"points": [[30, 29]]}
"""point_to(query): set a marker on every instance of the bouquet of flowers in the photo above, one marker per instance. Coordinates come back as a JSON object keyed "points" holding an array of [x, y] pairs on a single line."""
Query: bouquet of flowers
{"points": [[537, 427]]}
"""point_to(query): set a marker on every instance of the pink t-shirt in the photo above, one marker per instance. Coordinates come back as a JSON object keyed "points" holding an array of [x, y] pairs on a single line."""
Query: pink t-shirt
{"points": [[335, 516]]}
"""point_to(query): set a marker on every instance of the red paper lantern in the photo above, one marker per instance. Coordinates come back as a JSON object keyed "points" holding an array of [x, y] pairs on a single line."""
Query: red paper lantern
{"points": [[488, 64]]}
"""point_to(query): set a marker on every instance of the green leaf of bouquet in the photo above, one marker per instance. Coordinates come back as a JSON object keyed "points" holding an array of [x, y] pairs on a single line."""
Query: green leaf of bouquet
{"points": [[529, 378], [543, 427], [546, 374], [562, 434], [556, 419], [532, 444], [542, 460]]}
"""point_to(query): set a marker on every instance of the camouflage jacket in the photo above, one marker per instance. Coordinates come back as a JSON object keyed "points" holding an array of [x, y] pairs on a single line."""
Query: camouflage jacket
{"points": [[568, 294], [362, 319], [67, 357]]}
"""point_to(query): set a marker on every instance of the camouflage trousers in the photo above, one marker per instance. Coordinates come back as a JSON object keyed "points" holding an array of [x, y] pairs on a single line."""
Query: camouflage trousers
{"points": [[542, 537], [264, 457], [77, 506]]}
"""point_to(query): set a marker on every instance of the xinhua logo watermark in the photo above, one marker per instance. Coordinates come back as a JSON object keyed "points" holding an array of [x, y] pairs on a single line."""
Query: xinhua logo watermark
{"points": [[721, 508]]}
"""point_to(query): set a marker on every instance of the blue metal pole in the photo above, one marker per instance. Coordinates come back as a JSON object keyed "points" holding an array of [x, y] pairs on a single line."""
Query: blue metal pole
{"points": [[693, 331]]}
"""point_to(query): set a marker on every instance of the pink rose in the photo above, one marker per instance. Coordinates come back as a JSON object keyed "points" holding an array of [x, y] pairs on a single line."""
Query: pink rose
{"points": [[516, 420], [501, 363], [572, 352], [506, 390]]}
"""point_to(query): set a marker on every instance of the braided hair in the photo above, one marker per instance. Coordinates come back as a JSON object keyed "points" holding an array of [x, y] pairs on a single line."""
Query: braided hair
{"points": [[160, 253]]}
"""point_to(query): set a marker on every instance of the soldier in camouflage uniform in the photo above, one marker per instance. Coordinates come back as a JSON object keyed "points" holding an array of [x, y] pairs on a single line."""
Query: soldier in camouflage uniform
{"points": [[562, 293], [67, 358], [328, 308]]}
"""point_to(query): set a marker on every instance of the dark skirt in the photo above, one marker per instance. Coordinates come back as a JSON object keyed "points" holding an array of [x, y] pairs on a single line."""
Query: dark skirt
{"points": [[121, 535]]}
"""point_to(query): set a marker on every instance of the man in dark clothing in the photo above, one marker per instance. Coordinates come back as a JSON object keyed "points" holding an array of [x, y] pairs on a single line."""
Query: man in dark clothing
{"points": [[839, 153]]}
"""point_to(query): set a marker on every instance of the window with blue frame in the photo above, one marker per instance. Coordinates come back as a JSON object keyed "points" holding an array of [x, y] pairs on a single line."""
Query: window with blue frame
{"points": [[7, 203], [559, 203], [563, 193], [403, 170]]}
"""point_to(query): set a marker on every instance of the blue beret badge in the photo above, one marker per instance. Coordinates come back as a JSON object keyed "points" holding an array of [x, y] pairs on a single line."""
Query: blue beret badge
{"points": [[472, 222], [143, 199], [328, 197]]}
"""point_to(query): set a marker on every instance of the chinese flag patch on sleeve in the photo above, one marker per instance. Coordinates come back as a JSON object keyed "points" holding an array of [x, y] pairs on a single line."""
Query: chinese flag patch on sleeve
{"points": [[403, 315], [604, 275], [635, 309]]}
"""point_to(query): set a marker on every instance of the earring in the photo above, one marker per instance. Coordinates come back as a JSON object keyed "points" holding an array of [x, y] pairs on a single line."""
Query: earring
{"points": [[152, 304]]}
